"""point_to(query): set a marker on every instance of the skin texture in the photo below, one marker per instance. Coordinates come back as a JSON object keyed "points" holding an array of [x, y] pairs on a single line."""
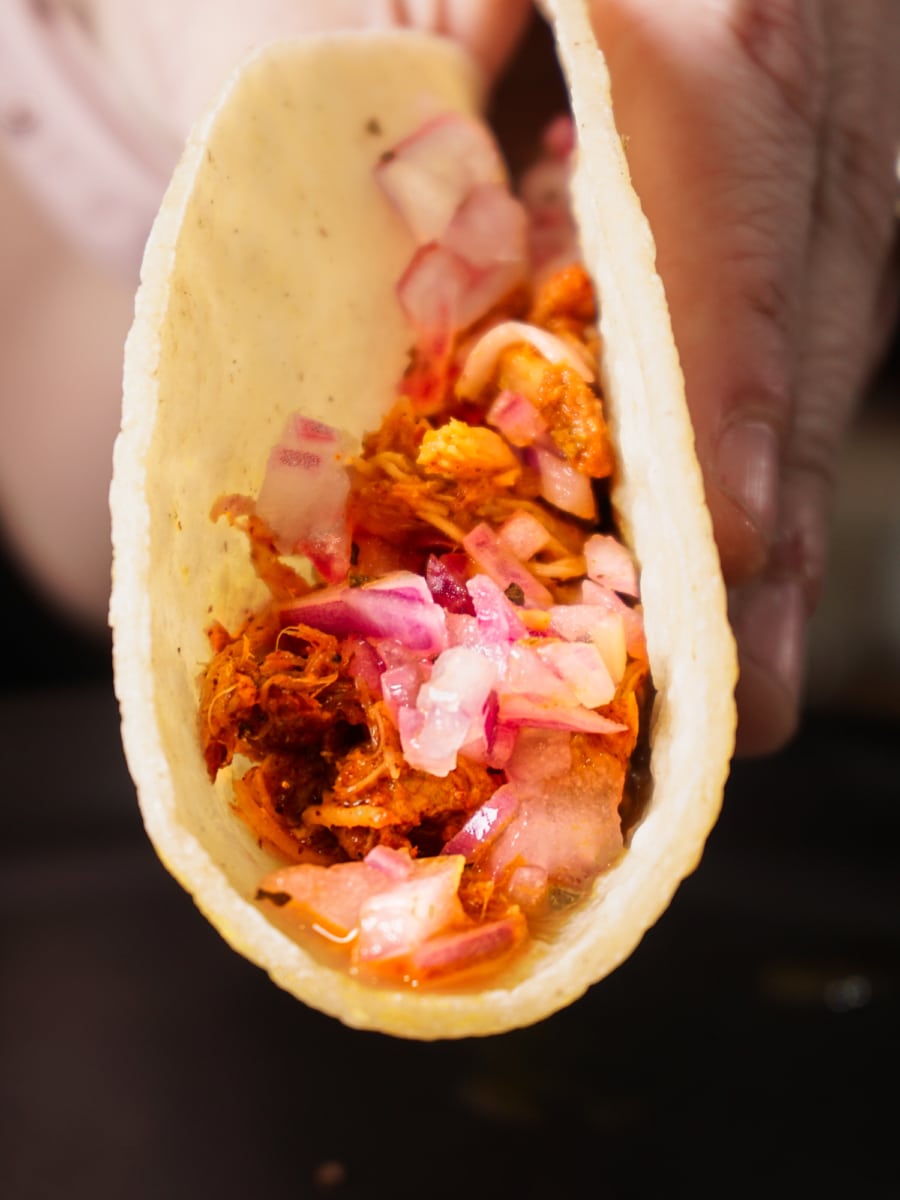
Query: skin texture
{"points": [[761, 137]]}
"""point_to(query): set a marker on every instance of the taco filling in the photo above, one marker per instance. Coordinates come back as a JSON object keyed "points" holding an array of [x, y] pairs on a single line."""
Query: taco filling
{"points": [[436, 722]]}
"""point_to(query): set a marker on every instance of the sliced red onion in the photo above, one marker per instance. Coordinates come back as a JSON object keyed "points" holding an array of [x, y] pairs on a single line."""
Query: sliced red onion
{"points": [[427, 175], [516, 709], [405, 584], [462, 630], [516, 418], [485, 823], [562, 485], [488, 288], [496, 744], [632, 620], [523, 535], [583, 669], [446, 579], [482, 359], [398, 606], [440, 293], [400, 688], [451, 953], [303, 496], [449, 712], [364, 662], [538, 755], [568, 826], [501, 739], [488, 228], [393, 864], [608, 562], [498, 621], [593, 623], [395, 654], [432, 290], [330, 897], [393, 922], [545, 192], [545, 186], [528, 675], [558, 139], [499, 564]]}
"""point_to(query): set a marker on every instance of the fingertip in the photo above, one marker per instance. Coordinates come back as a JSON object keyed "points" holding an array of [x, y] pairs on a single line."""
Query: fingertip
{"points": [[742, 477], [767, 714], [768, 617]]}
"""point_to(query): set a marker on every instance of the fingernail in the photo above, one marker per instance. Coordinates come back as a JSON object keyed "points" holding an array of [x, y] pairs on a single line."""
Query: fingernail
{"points": [[769, 622], [747, 470]]}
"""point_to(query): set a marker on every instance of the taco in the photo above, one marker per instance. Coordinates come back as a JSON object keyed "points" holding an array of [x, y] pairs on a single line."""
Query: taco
{"points": [[274, 325]]}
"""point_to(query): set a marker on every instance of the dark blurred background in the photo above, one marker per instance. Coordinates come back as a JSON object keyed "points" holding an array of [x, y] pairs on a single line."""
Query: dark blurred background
{"points": [[750, 1046]]}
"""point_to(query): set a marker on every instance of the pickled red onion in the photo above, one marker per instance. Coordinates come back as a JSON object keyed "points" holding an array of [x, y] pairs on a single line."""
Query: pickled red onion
{"points": [[482, 358], [428, 175]]}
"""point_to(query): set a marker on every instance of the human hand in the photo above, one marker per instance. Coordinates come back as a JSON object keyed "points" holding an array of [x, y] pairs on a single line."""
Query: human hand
{"points": [[762, 139], [173, 56]]}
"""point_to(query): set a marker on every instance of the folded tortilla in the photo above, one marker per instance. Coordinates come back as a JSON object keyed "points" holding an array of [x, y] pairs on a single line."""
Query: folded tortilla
{"points": [[268, 287]]}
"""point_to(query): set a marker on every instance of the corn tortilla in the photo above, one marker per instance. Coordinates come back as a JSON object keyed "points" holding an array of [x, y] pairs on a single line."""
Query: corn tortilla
{"points": [[268, 286]]}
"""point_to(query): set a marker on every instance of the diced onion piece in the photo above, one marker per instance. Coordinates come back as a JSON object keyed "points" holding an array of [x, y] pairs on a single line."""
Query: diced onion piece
{"points": [[609, 562], [528, 675], [446, 579], [558, 139], [488, 552], [400, 687], [394, 864], [562, 485], [452, 953], [497, 620], [487, 288], [363, 662], [449, 712], [518, 709], [569, 826], [488, 228], [395, 921], [427, 175], [482, 358], [601, 625], [523, 535], [539, 754], [440, 293], [330, 897], [431, 292], [605, 598], [516, 418], [303, 496], [545, 191], [581, 665], [398, 606], [485, 823]]}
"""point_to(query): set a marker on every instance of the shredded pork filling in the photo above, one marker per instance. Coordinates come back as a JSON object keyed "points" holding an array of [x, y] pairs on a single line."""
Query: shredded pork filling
{"points": [[436, 737]]}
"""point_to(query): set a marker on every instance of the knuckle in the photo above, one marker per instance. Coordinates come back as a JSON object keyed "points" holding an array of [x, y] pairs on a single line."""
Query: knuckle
{"points": [[783, 40]]}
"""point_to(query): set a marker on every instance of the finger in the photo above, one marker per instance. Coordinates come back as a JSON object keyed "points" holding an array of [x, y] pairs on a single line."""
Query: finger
{"points": [[844, 320], [717, 111], [490, 30]]}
